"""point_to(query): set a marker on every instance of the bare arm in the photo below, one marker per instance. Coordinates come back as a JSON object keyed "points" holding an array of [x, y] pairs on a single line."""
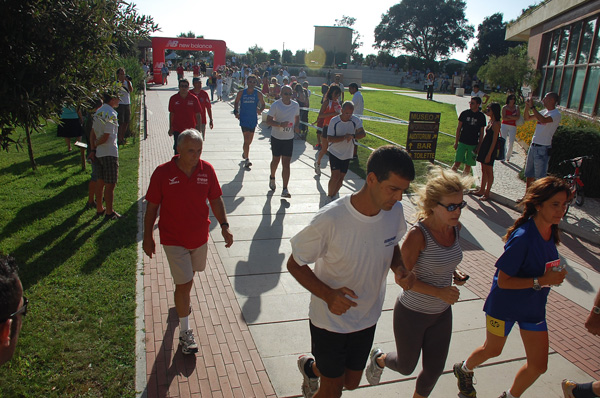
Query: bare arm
{"points": [[218, 208], [592, 324], [148, 243], [458, 129], [506, 281], [261, 102], [360, 133], [102, 140], [535, 114], [336, 299], [236, 104]]}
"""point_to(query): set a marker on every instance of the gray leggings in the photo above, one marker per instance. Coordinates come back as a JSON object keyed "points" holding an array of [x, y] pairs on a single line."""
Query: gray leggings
{"points": [[416, 332]]}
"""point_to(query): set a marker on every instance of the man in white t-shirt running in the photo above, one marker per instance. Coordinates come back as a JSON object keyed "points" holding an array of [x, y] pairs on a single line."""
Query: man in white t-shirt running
{"points": [[284, 119], [353, 243], [342, 131]]}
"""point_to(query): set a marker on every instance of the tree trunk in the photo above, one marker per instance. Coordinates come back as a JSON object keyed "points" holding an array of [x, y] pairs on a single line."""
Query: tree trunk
{"points": [[30, 146]]}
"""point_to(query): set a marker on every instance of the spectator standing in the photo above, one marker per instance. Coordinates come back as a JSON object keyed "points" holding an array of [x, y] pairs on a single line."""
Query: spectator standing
{"points": [[179, 71], [330, 107], [70, 125], [124, 109], [538, 155], [106, 155], [469, 135], [510, 115], [478, 93], [487, 152], [164, 71], [283, 117], [13, 307], [184, 222], [338, 81]]}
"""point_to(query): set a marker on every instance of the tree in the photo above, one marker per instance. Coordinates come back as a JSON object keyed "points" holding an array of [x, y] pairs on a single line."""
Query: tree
{"points": [[59, 52], [275, 56], [299, 57], [490, 41], [511, 70], [356, 43], [286, 57], [428, 29], [256, 54]]}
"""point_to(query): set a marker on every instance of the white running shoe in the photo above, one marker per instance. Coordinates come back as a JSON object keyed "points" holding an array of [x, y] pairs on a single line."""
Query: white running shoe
{"points": [[374, 371], [272, 183], [310, 385], [317, 169], [186, 340]]}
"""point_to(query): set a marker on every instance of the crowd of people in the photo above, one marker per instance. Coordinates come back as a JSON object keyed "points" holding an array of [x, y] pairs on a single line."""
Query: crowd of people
{"points": [[353, 241]]}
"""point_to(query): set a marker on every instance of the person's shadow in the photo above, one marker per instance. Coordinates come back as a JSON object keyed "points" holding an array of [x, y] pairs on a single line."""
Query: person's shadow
{"points": [[263, 259], [164, 370]]}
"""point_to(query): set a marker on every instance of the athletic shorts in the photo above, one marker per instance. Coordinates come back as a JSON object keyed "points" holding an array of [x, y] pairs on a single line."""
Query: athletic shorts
{"points": [[107, 168], [124, 112], [501, 328], [282, 147], [184, 262], [248, 129], [336, 352], [465, 154], [338, 164]]}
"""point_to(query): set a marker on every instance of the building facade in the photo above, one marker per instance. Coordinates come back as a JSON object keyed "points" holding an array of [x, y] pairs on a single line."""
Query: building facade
{"points": [[563, 39]]}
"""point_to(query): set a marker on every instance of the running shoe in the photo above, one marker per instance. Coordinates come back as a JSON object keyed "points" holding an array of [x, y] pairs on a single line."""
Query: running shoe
{"points": [[310, 385], [317, 169], [247, 163], [465, 381], [374, 371], [568, 386], [187, 342], [285, 193], [272, 183]]}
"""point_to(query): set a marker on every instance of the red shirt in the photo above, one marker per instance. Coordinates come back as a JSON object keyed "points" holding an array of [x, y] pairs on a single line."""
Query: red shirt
{"points": [[180, 70], [196, 69], [204, 103], [183, 209], [184, 111]]}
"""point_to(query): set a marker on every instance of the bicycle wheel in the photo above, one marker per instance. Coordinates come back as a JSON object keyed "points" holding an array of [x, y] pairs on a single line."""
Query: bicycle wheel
{"points": [[579, 196]]}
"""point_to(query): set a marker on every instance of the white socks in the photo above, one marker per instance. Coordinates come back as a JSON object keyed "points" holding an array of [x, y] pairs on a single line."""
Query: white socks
{"points": [[184, 324], [464, 367], [509, 395]]}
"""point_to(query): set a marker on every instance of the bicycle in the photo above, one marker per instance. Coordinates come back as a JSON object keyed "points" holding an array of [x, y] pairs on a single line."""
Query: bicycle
{"points": [[574, 179]]}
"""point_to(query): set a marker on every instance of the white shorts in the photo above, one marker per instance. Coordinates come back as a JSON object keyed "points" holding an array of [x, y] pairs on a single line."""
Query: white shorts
{"points": [[184, 262]]}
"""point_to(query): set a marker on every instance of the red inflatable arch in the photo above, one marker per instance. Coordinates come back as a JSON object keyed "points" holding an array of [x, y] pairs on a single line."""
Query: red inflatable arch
{"points": [[160, 44]]}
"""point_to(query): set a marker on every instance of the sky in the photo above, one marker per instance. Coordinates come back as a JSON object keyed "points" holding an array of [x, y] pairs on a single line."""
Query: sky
{"points": [[284, 26]]}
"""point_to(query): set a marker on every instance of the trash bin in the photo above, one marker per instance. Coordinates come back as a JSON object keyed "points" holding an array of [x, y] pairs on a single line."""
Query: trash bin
{"points": [[460, 92]]}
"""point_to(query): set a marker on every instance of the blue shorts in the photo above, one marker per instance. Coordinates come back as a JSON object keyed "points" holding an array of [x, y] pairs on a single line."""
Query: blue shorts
{"points": [[536, 165], [501, 328]]}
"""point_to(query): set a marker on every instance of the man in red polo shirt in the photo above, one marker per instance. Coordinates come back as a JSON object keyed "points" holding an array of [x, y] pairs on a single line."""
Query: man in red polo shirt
{"points": [[184, 112], [205, 104], [180, 188]]}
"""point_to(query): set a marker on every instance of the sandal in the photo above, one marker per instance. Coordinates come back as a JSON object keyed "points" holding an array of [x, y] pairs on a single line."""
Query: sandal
{"points": [[484, 198], [100, 213], [113, 216], [475, 193]]}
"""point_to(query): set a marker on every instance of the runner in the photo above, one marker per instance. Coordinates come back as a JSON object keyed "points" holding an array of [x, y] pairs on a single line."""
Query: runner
{"points": [[248, 103]]}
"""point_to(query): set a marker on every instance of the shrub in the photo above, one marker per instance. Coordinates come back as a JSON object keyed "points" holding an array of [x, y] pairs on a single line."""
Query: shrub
{"points": [[570, 142]]}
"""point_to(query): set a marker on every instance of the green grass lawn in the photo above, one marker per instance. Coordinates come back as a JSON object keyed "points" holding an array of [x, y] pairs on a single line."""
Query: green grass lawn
{"points": [[78, 338], [386, 87], [398, 106]]}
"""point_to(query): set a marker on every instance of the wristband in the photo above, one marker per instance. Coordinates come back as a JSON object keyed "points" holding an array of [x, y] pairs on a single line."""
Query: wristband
{"points": [[225, 224]]}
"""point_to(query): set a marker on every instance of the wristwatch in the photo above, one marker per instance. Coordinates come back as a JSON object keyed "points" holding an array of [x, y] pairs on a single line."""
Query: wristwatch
{"points": [[536, 284], [596, 310]]}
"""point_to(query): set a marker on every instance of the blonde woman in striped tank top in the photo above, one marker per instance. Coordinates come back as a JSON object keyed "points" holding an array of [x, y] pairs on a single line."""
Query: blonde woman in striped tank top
{"points": [[423, 315]]}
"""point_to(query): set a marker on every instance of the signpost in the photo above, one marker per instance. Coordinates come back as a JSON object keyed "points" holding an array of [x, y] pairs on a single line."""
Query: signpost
{"points": [[423, 129]]}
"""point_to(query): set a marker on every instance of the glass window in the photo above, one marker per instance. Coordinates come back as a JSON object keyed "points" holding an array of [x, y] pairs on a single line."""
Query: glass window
{"points": [[556, 82], [577, 88], [562, 50], [591, 89], [575, 33], [547, 80], [553, 47], [586, 41], [566, 85], [595, 56]]}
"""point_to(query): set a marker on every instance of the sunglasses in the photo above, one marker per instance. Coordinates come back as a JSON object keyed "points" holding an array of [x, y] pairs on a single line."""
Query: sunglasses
{"points": [[22, 310], [452, 207]]}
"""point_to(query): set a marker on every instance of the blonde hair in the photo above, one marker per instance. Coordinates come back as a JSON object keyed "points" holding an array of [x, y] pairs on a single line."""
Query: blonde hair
{"points": [[440, 183]]}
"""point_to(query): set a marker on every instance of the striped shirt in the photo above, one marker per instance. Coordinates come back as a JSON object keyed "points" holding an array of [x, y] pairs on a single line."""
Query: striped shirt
{"points": [[435, 266]]}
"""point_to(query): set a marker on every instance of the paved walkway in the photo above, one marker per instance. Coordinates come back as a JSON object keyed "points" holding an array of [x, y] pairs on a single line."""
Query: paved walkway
{"points": [[250, 315]]}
